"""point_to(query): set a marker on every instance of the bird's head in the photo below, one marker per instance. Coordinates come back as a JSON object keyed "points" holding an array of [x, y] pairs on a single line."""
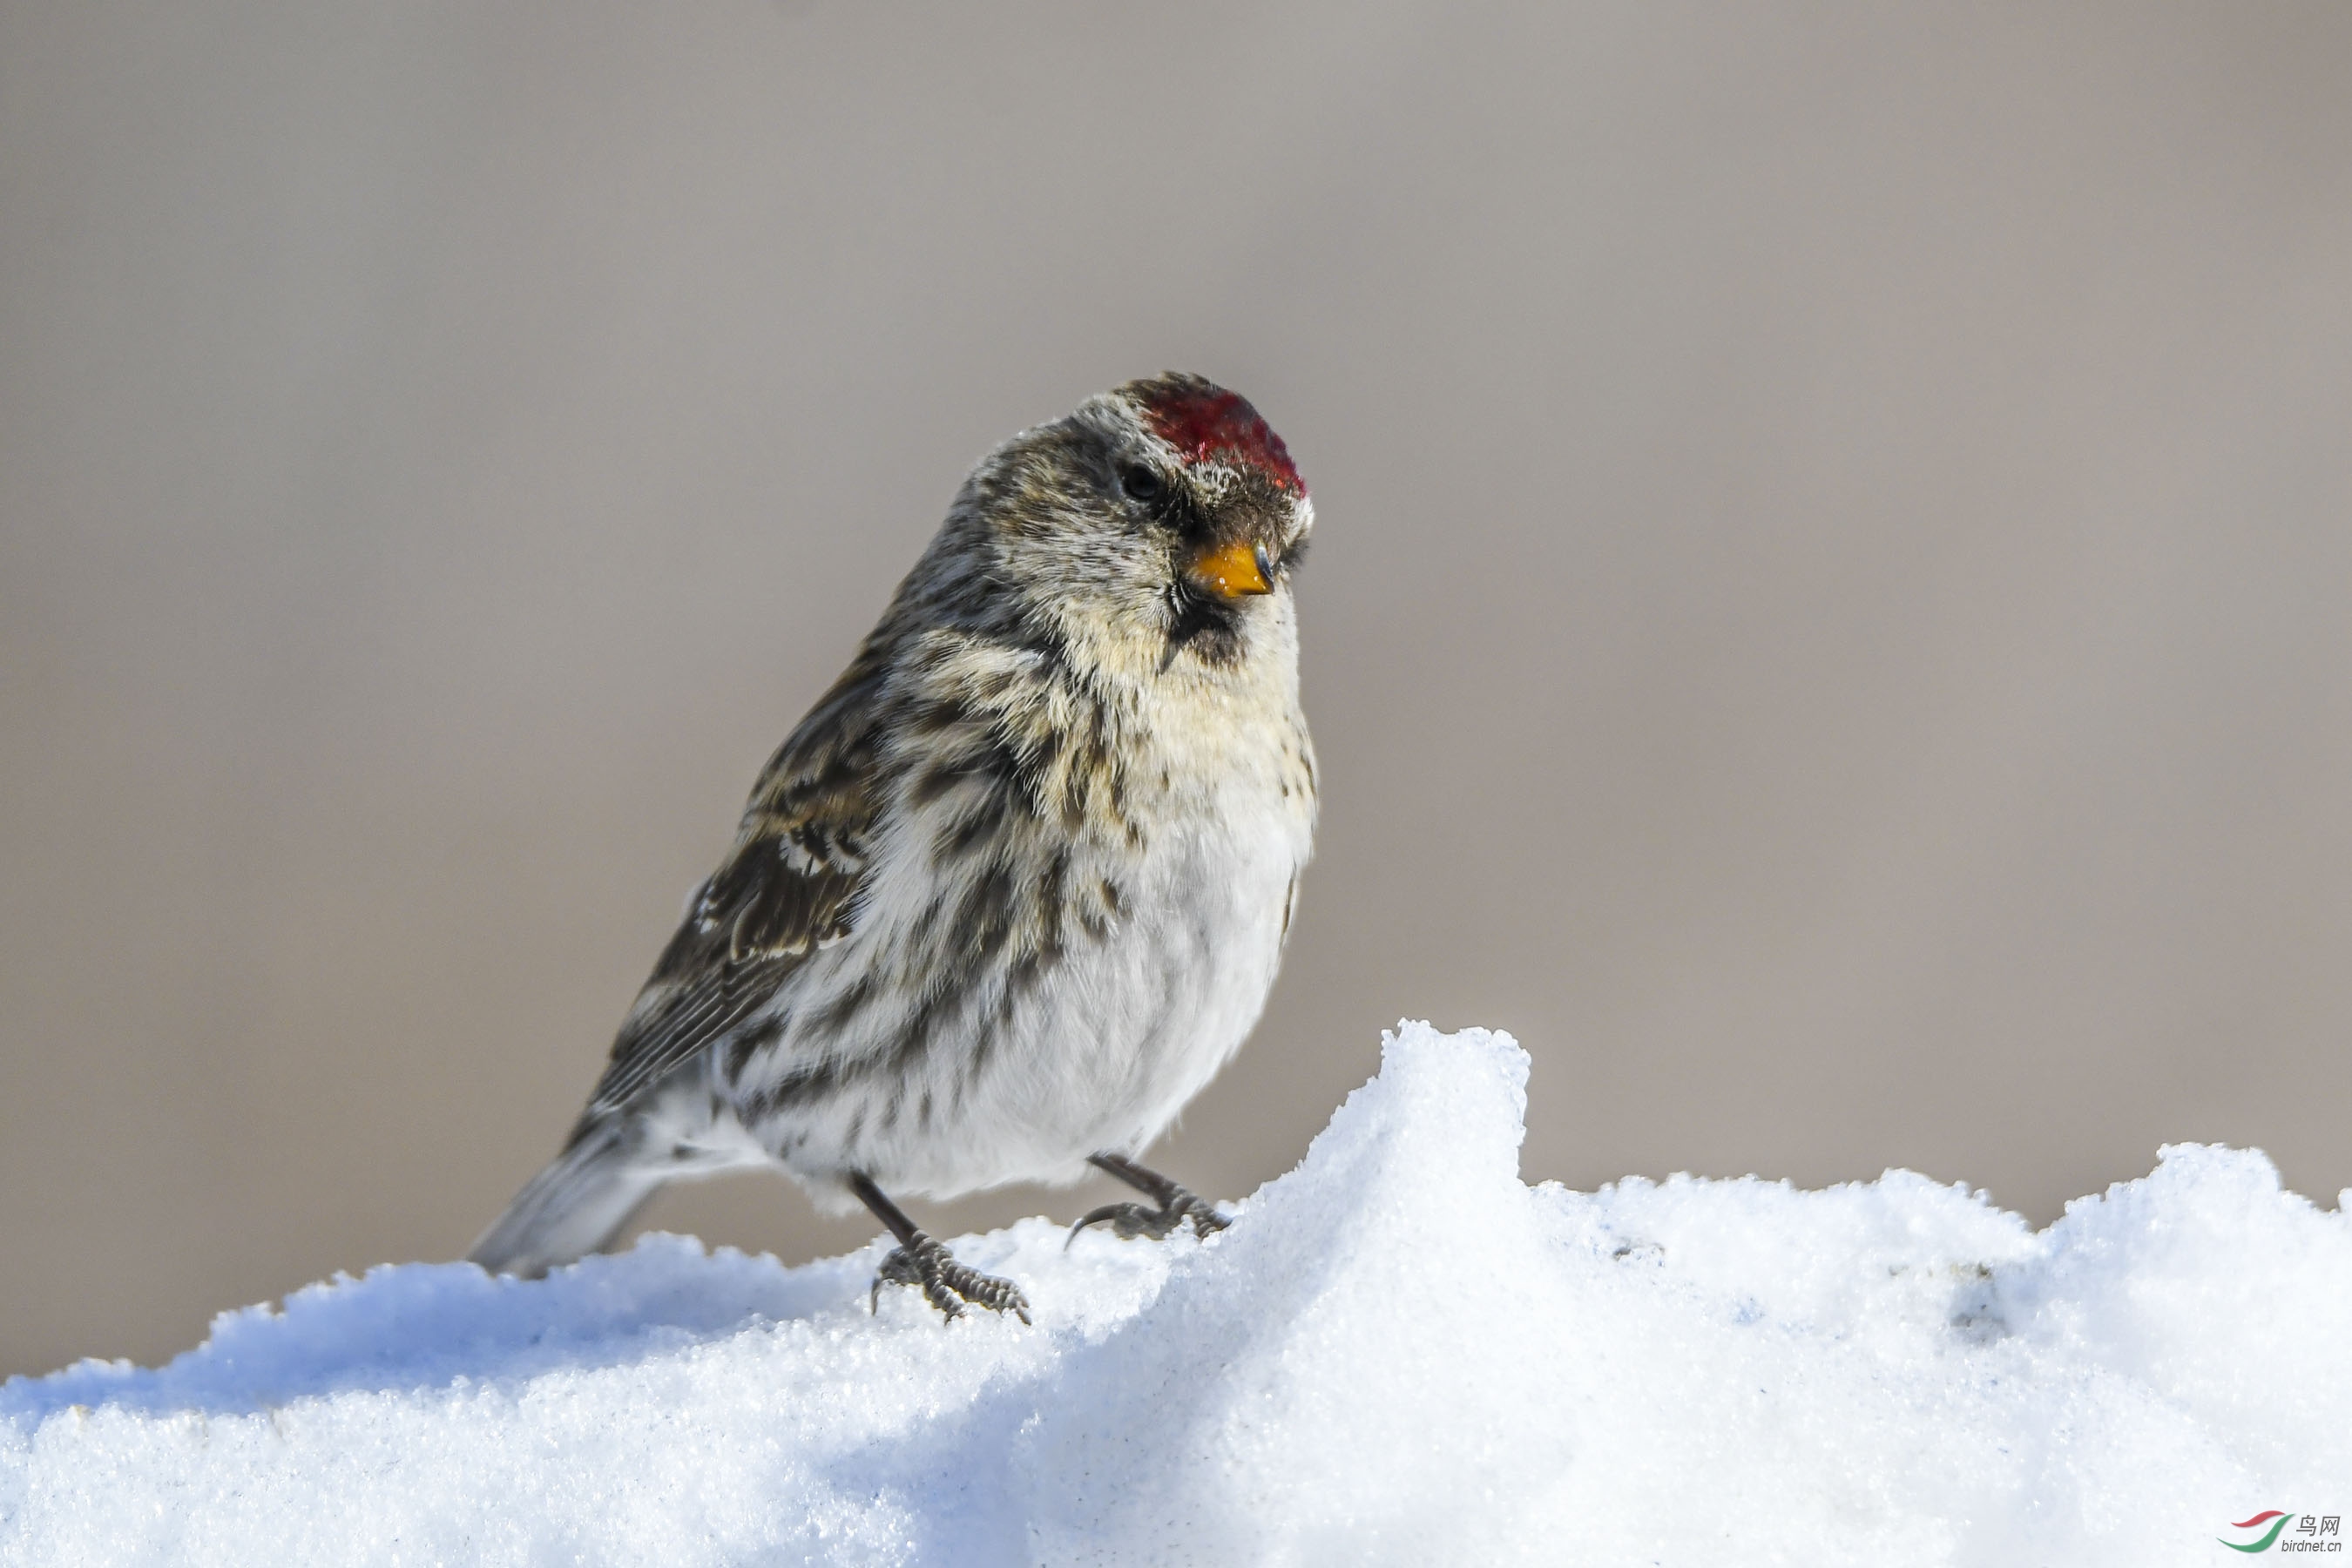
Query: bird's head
{"points": [[1158, 524]]}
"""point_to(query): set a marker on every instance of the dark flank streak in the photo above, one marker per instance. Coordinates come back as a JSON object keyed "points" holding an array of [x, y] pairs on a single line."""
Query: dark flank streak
{"points": [[983, 818], [914, 1039], [837, 1012], [1050, 903], [986, 915], [936, 780], [983, 1041], [933, 717], [808, 1085], [748, 1043], [1019, 981], [924, 927]]}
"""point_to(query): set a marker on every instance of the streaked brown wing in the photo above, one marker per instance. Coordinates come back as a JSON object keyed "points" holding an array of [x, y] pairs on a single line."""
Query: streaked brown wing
{"points": [[790, 884]]}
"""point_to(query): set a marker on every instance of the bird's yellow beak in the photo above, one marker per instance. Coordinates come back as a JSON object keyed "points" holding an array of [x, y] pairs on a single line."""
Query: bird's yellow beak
{"points": [[1231, 571]]}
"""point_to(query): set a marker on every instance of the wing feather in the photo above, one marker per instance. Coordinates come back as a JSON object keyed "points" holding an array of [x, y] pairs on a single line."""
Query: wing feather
{"points": [[790, 885]]}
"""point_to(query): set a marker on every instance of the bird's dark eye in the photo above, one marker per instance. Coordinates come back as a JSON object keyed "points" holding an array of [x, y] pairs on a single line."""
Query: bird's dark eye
{"points": [[1139, 482]]}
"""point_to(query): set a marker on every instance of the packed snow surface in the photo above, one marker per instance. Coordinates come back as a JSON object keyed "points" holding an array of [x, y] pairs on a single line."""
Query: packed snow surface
{"points": [[1398, 1354]]}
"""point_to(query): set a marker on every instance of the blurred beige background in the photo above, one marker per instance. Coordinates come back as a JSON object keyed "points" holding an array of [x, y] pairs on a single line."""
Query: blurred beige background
{"points": [[1829, 620]]}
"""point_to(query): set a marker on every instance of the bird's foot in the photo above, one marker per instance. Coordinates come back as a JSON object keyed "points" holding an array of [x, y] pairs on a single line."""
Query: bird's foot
{"points": [[946, 1284], [1131, 1220]]}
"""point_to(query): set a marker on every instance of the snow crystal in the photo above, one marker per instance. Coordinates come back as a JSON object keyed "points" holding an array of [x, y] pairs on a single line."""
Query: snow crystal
{"points": [[1399, 1354]]}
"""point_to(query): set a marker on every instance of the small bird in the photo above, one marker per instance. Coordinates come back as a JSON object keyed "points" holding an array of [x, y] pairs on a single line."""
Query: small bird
{"points": [[1018, 886]]}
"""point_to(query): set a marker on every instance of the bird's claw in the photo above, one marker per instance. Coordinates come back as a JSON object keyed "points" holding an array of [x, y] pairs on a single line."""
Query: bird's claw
{"points": [[946, 1284], [1131, 1220]]}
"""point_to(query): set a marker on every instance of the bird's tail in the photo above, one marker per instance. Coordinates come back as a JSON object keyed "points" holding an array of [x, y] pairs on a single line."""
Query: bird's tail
{"points": [[574, 1206]]}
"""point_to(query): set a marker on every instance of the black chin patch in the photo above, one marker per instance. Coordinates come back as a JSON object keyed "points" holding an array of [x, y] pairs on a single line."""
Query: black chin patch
{"points": [[1203, 624]]}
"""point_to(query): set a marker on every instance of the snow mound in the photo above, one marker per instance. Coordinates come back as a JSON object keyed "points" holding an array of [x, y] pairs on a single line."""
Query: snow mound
{"points": [[1399, 1354]]}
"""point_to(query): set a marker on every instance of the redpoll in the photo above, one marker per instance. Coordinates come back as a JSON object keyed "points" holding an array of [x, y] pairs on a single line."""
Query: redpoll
{"points": [[1018, 886]]}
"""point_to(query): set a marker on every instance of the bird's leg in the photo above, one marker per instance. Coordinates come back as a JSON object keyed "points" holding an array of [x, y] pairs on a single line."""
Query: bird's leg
{"points": [[1130, 1220], [919, 1260]]}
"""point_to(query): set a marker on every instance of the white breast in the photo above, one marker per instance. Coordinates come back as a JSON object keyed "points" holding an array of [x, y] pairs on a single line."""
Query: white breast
{"points": [[1106, 1052]]}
